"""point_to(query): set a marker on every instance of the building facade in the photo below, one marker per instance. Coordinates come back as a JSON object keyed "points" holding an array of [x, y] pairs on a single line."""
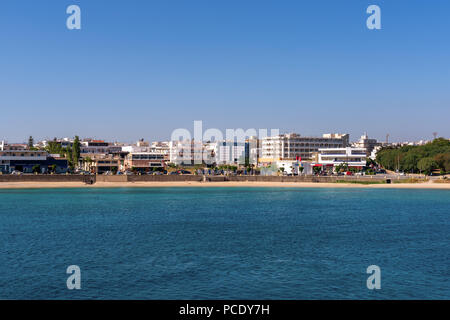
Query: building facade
{"points": [[144, 161], [293, 146], [353, 157], [98, 146], [17, 158], [366, 143]]}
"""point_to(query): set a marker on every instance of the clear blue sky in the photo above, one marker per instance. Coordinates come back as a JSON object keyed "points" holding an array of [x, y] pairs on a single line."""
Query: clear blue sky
{"points": [[139, 69]]}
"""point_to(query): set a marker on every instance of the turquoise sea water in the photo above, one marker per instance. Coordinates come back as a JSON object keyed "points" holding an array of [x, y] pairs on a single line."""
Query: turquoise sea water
{"points": [[224, 243]]}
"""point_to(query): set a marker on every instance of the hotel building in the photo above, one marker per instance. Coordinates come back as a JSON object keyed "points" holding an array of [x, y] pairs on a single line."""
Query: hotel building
{"points": [[353, 157], [294, 146]]}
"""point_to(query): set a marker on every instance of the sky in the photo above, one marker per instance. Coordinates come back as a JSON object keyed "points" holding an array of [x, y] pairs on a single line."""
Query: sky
{"points": [[143, 68]]}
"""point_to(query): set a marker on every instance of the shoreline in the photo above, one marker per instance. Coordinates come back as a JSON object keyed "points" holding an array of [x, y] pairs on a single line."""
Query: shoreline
{"points": [[158, 184]]}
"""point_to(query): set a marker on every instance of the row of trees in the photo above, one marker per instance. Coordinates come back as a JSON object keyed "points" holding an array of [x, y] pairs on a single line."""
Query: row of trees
{"points": [[417, 159], [71, 153], [37, 168]]}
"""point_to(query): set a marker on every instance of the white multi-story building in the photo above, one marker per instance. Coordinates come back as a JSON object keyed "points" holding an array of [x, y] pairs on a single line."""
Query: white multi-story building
{"points": [[140, 146], [143, 161], [216, 152], [293, 146], [368, 144], [18, 157], [373, 154], [188, 152], [161, 147], [98, 146], [353, 157], [230, 153]]}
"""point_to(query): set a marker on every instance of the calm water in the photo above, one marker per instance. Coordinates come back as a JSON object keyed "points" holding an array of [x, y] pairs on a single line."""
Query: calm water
{"points": [[224, 243]]}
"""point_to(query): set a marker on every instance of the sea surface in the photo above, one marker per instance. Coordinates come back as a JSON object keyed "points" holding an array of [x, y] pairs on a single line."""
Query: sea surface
{"points": [[224, 243]]}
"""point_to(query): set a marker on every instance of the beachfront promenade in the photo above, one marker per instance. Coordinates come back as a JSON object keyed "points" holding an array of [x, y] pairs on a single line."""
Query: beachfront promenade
{"points": [[63, 181], [91, 179]]}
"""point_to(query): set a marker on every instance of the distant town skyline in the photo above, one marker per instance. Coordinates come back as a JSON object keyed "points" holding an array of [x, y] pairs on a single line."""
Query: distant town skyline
{"points": [[141, 69], [353, 138]]}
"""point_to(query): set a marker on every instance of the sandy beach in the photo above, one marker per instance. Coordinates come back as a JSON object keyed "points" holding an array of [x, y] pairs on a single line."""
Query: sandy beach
{"points": [[34, 185]]}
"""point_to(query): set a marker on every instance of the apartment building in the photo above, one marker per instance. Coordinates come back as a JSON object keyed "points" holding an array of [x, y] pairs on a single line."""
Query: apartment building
{"points": [[18, 157], [144, 161], [98, 146], [294, 146], [100, 163], [366, 143], [353, 157], [230, 152], [188, 152], [238, 153]]}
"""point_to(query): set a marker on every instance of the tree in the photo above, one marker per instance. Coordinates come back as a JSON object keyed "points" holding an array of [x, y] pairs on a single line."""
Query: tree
{"points": [[76, 151], [54, 147], [406, 158], [53, 168], [341, 167], [443, 161], [68, 154], [426, 165], [36, 168], [317, 170], [353, 169], [30, 142], [370, 163], [409, 162], [345, 166]]}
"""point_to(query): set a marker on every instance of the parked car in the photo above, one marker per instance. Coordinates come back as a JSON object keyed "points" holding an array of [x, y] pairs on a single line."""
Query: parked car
{"points": [[16, 172]]}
